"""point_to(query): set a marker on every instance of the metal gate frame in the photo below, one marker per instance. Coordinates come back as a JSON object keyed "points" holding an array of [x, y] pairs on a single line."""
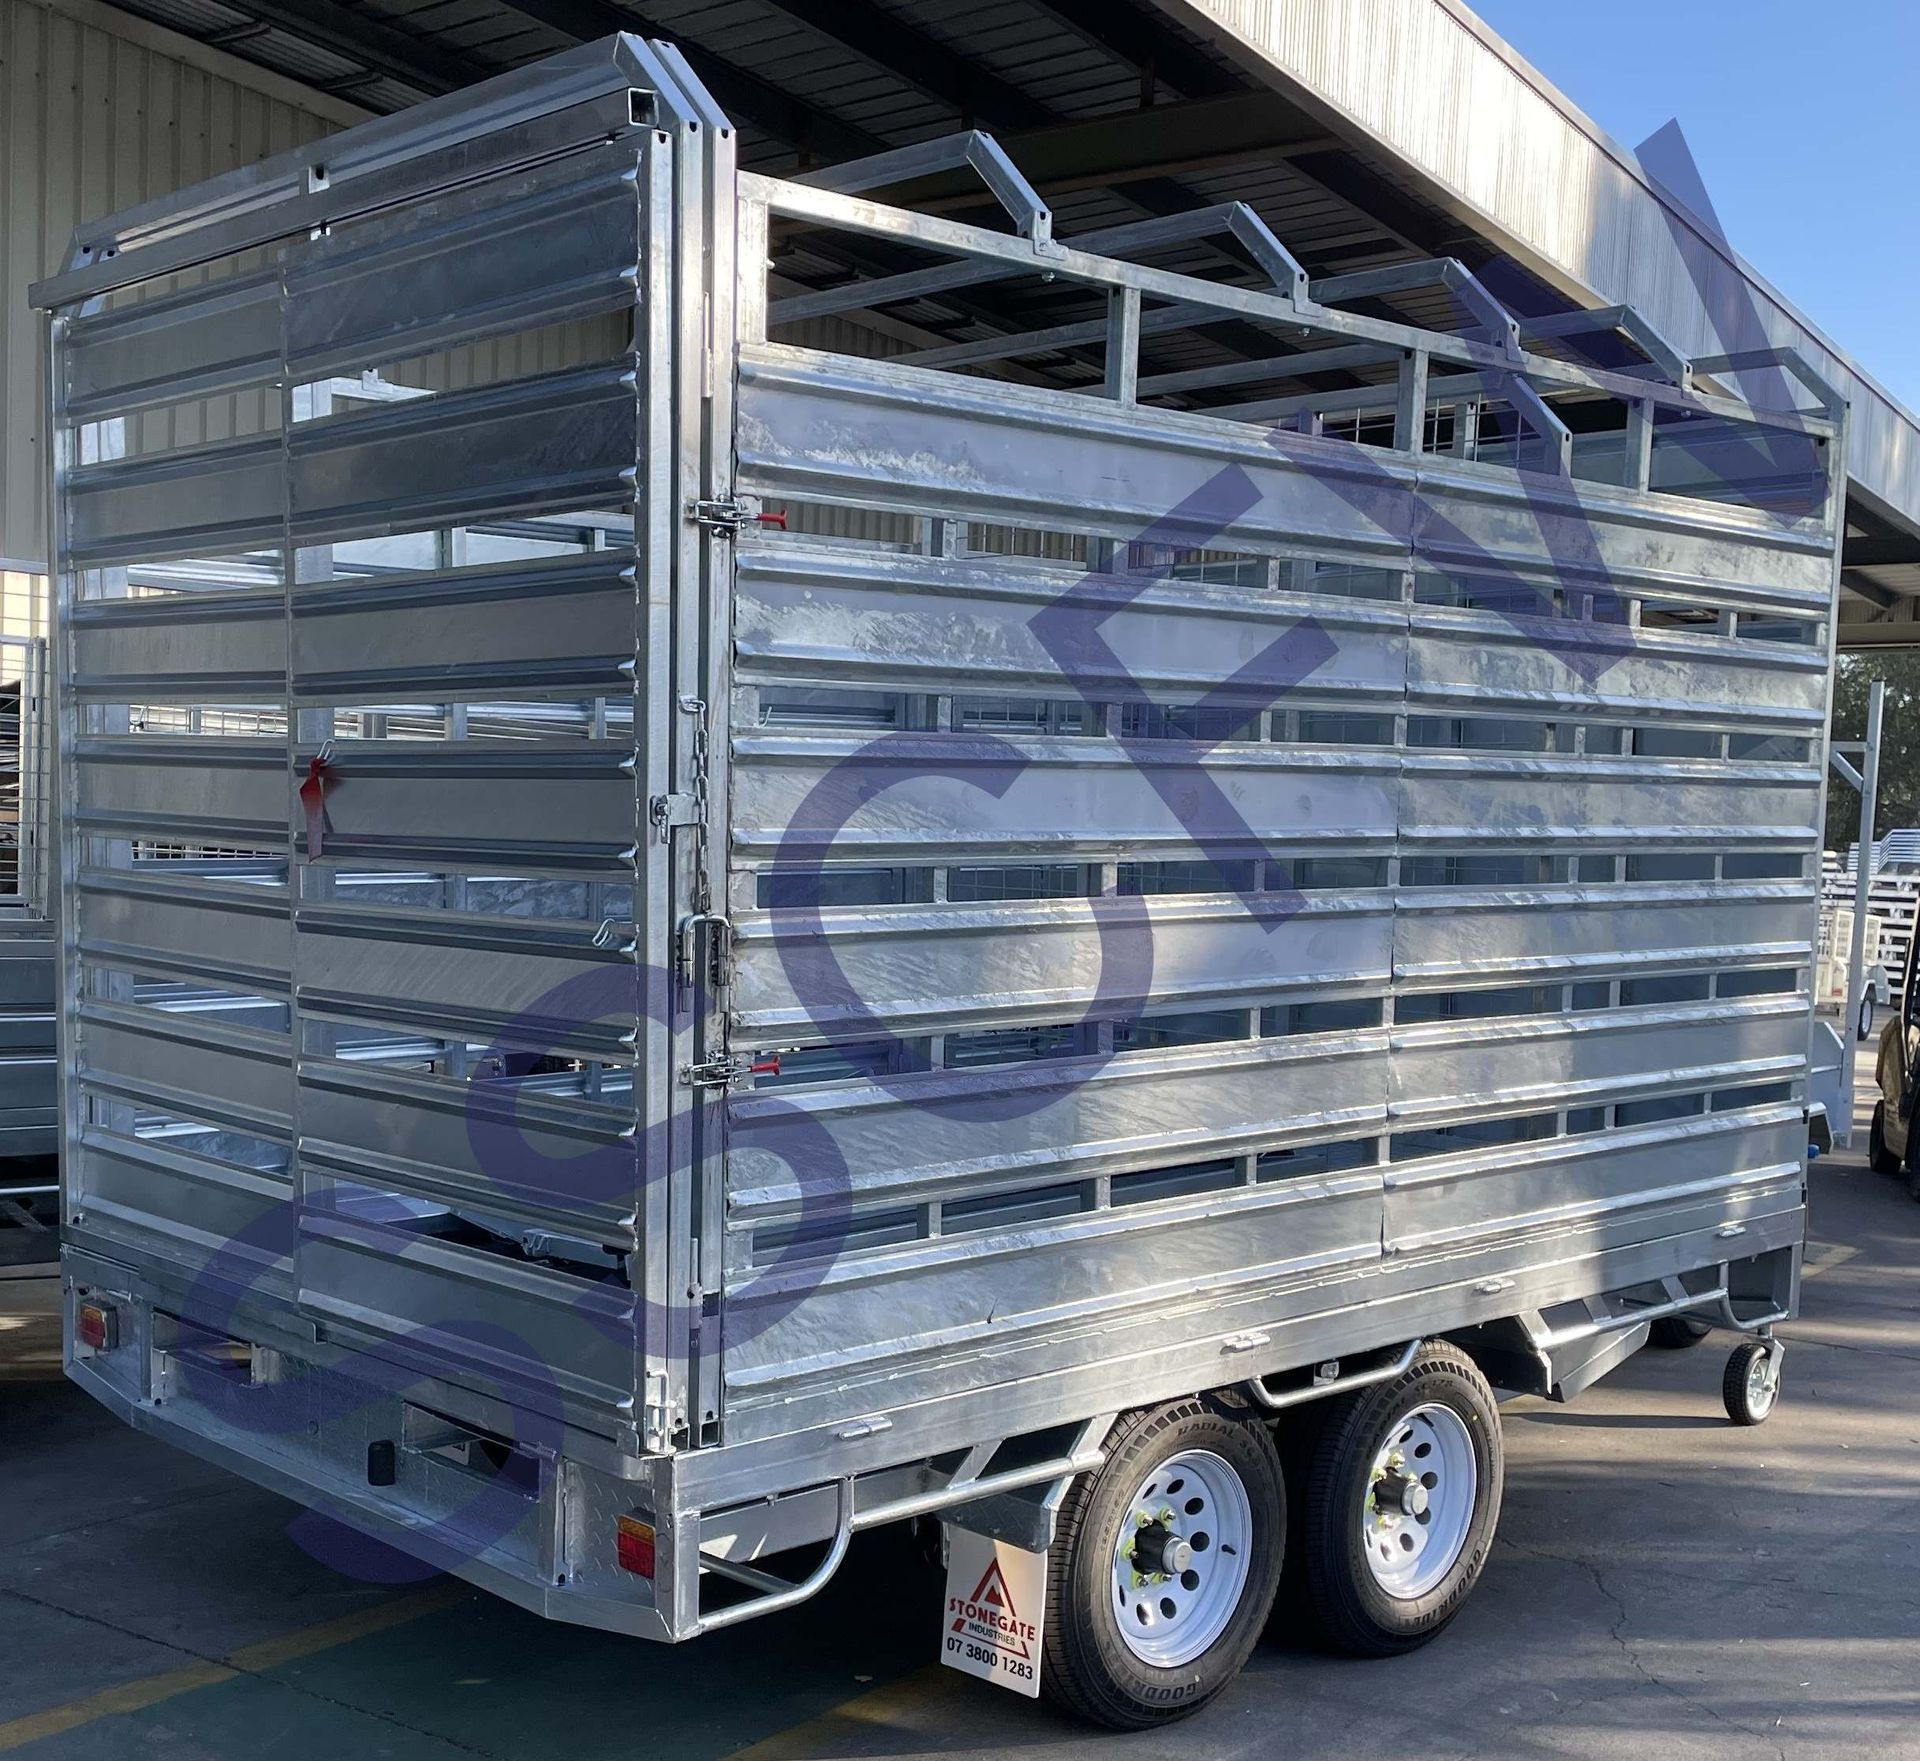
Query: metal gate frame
{"points": [[286, 321]]}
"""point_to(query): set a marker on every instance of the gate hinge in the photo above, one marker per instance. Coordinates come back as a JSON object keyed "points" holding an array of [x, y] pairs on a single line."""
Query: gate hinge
{"points": [[668, 811]]}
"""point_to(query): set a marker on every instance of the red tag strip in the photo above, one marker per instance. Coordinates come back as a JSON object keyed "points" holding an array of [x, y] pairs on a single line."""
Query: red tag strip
{"points": [[313, 797]]}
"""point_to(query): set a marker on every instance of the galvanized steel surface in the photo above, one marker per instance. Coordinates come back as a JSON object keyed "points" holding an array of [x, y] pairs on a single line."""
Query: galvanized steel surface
{"points": [[1139, 880]]}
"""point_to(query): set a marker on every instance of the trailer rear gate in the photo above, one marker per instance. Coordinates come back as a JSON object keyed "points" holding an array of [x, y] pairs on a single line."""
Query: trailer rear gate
{"points": [[1109, 900]]}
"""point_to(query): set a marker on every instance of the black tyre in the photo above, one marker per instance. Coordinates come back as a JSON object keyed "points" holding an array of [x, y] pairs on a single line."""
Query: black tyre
{"points": [[1402, 1500], [1909, 1171], [1677, 1332], [1750, 1384], [1879, 1158], [1864, 1028], [1164, 1566]]}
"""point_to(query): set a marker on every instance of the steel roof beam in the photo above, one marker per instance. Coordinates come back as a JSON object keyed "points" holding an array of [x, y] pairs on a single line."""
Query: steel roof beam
{"points": [[361, 37], [1110, 151], [1880, 552], [1864, 634], [745, 97], [919, 61], [1123, 31]]}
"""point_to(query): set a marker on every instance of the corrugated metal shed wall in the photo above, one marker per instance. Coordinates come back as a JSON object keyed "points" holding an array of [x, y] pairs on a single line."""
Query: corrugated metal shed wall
{"points": [[95, 115], [95, 120]]}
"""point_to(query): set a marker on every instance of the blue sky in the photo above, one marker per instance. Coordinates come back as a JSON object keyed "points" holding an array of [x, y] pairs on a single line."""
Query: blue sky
{"points": [[1802, 116]]}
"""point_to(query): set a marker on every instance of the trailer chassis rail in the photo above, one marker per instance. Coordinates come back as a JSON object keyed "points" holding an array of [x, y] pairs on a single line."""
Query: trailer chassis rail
{"points": [[967, 1486]]}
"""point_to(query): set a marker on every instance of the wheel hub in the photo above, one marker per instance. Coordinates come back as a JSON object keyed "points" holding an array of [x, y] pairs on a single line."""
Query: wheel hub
{"points": [[1181, 1558], [1422, 1491], [1159, 1552], [1399, 1494]]}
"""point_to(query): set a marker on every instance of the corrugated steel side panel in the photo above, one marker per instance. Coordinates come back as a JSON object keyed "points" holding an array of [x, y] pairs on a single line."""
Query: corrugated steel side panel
{"points": [[1432, 86]]}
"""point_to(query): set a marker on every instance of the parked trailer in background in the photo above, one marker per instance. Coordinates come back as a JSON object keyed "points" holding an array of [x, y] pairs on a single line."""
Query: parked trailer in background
{"points": [[1830, 975], [692, 932], [29, 1100]]}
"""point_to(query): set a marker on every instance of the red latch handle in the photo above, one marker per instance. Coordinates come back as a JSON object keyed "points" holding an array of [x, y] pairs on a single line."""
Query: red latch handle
{"points": [[313, 797], [774, 519]]}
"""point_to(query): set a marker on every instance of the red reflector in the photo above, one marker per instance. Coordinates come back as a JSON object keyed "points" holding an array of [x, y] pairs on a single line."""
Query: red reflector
{"points": [[633, 1546], [98, 1327]]}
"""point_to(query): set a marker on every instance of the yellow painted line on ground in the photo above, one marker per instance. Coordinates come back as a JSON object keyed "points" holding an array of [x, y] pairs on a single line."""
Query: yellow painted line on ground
{"points": [[152, 1690], [1825, 1258], [111, 1703], [821, 1736]]}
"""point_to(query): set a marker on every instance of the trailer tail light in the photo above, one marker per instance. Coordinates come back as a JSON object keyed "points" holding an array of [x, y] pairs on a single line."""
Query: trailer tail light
{"points": [[633, 1546], [98, 1328]]}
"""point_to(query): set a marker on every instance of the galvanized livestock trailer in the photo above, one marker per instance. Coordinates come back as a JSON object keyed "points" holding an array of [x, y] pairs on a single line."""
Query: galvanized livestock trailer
{"points": [[690, 924]]}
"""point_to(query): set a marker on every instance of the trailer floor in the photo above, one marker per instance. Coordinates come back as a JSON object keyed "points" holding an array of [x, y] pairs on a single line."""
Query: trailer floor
{"points": [[1665, 1586]]}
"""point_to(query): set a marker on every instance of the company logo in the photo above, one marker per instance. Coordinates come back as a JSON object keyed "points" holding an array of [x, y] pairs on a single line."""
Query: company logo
{"points": [[989, 1617]]}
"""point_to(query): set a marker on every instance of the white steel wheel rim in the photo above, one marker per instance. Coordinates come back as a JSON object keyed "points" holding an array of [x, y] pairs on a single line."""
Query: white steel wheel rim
{"points": [[1192, 1510], [1422, 1490], [1763, 1383]]}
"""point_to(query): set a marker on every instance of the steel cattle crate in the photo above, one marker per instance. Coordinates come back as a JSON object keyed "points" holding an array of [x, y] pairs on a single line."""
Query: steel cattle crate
{"points": [[692, 918]]}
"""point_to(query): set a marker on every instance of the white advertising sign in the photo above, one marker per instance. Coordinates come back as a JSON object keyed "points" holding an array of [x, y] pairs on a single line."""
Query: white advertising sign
{"points": [[996, 1600]]}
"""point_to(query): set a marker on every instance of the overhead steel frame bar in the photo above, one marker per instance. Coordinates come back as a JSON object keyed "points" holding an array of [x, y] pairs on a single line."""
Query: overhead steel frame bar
{"points": [[1033, 220], [1232, 218], [1467, 366], [1622, 320]]}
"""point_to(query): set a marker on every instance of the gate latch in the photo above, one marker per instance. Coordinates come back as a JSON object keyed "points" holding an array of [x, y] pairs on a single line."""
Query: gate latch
{"points": [[716, 1072], [727, 517], [668, 811]]}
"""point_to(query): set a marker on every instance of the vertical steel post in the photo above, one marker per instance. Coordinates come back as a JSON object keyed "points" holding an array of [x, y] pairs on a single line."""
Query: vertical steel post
{"points": [[1862, 887]]}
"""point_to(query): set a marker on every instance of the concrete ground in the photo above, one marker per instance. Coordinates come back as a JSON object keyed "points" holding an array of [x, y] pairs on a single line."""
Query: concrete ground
{"points": [[1665, 1588]]}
